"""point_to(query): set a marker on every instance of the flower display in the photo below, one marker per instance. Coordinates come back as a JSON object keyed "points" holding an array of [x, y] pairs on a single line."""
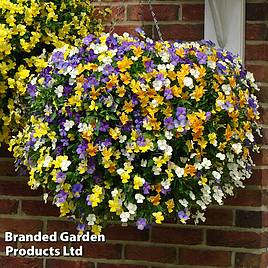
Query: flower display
{"points": [[134, 130], [26, 28]]}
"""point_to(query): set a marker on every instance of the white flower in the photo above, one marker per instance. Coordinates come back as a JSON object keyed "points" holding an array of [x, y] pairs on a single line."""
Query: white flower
{"points": [[195, 73], [143, 163], [179, 171], [122, 138], [91, 218], [115, 192], [206, 163], [120, 171], [168, 150], [199, 216], [226, 89], [188, 82], [201, 204], [183, 202], [168, 135], [68, 125], [157, 84], [65, 164], [47, 161], [156, 170], [140, 198], [124, 216], [192, 196], [211, 64], [59, 91], [220, 156], [162, 144], [216, 175], [165, 184], [237, 147], [131, 208]]}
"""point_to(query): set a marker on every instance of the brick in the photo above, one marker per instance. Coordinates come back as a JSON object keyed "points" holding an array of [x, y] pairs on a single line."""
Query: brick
{"points": [[150, 253], [205, 257], [39, 208], [257, 52], [17, 188], [249, 219], [101, 250], [262, 95], [264, 139], [3, 244], [191, 32], [174, 235], [248, 260], [117, 13], [68, 264], [143, 13], [20, 226], [60, 226], [257, 31], [236, 239], [219, 217], [8, 206], [12, 262], [245, 197], [130, 233], [4, 151], [109, 265], [193, 12], [261, 158], [260, 72], [264, 115], [256, 11], [7, 168], [258, 177]]}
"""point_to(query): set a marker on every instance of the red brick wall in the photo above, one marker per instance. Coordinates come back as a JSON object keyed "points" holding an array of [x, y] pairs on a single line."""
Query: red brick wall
{"points": [[234, 235]]}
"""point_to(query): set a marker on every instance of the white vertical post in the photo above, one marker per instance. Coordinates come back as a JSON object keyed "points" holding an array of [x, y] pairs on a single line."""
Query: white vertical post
{"points": [[225, 24]]}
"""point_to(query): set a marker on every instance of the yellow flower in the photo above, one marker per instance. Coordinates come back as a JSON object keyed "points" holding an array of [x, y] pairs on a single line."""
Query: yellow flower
{"points": [[123, 118], [107, 153], [170, 205], [124, 64], [138, 182], [158, 217]]}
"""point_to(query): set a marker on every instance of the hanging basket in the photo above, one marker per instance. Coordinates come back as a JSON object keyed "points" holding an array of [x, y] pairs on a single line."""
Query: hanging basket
{"points": [[132, 130]]}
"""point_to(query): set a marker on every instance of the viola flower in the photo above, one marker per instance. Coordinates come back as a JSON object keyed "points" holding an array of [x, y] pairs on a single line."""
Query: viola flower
{"points": [[76, 189], [141, 223], [124, 121]]}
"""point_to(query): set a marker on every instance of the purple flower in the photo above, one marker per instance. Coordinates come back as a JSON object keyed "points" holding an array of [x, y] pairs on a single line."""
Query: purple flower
{"points": [[91, 166], [146, 188], [81, 227], [88, 39], [104, 126], [31, 90], [57, 57], [61, 196], [169, 123], [252, 103], [140, 141], [76, 189], [141, 223], [60, 177], [201, 57], [81, 150], [183, 216], [168, 94]]}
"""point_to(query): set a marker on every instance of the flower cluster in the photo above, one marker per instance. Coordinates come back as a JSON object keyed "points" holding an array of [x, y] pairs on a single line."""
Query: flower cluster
{"points": [[125, 128], [26, 28]]}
